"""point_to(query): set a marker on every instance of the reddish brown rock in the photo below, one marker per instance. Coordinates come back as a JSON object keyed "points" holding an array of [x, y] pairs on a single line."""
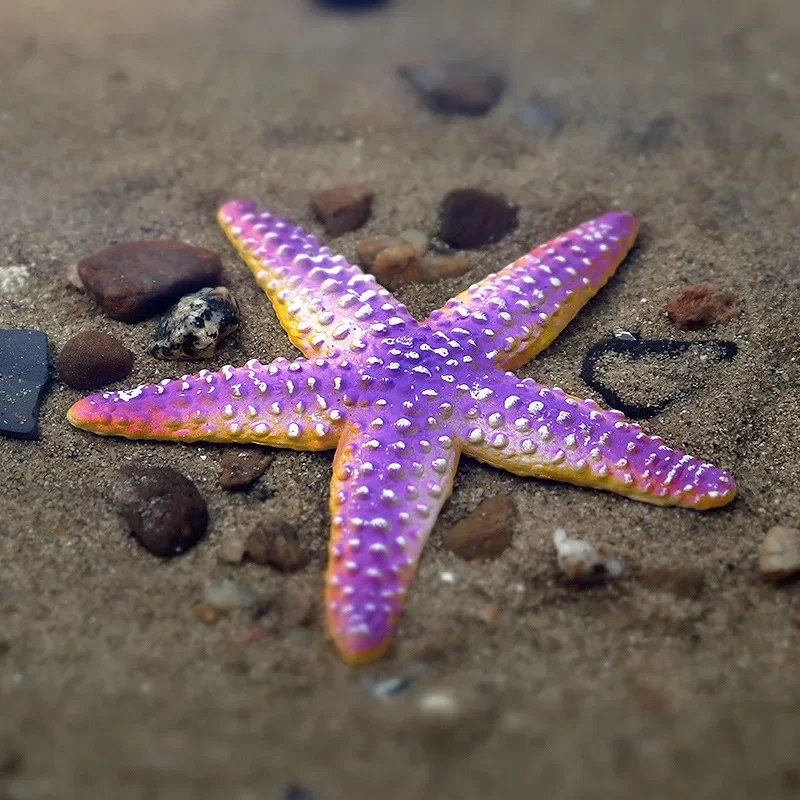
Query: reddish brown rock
{"points": [[473, 218], [700, 306], [92, 360], [466, 88], [274, 542], [134, 280], [485, 533], [343, 208], [240, 468]]}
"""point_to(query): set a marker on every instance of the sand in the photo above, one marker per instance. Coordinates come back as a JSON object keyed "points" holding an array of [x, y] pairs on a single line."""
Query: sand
{"points": [[127, 120]]}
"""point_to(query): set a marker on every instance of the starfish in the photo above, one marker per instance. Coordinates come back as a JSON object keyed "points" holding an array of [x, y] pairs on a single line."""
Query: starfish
{"points": [[401, 400]]}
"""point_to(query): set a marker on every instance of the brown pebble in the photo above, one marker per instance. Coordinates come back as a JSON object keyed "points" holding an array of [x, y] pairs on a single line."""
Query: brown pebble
{"points": [[231, 551], [163, 508], [473, 218], [274, 542], [91, 360], [240, 468], [485, 533], [684, 582], [466, 88], [396, 266], [435, 267], [205, 613], [779, 553], [343, 208], [134, 280], [700, 306], [368, 249]]}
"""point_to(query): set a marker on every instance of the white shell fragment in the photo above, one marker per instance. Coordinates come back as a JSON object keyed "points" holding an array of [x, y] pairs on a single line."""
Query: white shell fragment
{"points": [[581, 561], [196, 324], [780, 553]]}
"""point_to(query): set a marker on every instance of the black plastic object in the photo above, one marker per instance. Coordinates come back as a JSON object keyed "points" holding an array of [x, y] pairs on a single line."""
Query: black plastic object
{"points": [[24, 373], [642, 348]]}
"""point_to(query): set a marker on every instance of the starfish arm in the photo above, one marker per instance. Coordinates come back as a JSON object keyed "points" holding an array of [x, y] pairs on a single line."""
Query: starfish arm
{"points": [[301, 404], [530, 430], [513, 314], [384, 502], [323, 302]]}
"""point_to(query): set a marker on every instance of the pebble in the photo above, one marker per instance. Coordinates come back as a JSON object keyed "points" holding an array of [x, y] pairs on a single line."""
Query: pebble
{"points": [[581, 561], [274, 542], [91, 360], [227, 595], [368, 249], [779, 553], [164, 509], [73, 278], [458, 88], [390, 687], [543, 115], [485, 533], [343, 208], [473, 218], [24, 373], [231, 551], [12, 279], [205, 613], [196, 324], [700, 306], [240, 468], [134, 280]]}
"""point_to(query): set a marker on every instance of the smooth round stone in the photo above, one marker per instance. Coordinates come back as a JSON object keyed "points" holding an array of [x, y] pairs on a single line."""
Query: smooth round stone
{"points": [[91, 360]]}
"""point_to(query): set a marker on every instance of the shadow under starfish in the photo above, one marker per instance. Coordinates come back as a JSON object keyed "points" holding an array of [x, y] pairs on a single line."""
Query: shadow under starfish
{"points": [[400, 401]]}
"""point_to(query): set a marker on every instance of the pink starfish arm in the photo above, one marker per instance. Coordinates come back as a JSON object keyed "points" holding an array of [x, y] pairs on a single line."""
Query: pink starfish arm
{"points": [[300, 404], [513, 314], [527, 429], [389, 483], [322, 302]]}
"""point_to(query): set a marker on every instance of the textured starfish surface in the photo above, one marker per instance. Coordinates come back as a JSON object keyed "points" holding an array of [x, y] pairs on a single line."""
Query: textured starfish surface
{"points": [[401, 400]]}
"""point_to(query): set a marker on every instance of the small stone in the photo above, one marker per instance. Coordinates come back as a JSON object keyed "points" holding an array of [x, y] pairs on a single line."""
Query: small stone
{"points": [[274, 542], [240, 468], [227, 595], [134, 280], [24, 373], [779, 553], [196, 324], [439, 703], [12, 279], [73, 278], [543, 115], [396, 266], [343, 208], [205, 613], [485, 533], [164, 510], [581, 562], [435, 267], [700, 306], [465, 88], [91, 360], [368, 249], [231, 551], [473, 218], [390, 687], [419, 240]]}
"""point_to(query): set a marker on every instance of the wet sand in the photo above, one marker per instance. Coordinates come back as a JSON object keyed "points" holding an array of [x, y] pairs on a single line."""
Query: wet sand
{"points": [[122, 121]]}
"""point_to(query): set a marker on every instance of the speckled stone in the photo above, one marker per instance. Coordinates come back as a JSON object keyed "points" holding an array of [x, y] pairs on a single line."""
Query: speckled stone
{"points": [[24, 373], [91, 360], [134, 280]]}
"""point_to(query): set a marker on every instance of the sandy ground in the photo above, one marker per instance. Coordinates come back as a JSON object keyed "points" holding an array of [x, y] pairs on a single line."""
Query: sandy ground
{"points": [[124, 120]]}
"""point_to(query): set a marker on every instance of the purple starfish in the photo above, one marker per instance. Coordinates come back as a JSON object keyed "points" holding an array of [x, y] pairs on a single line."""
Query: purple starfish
{"points": [[401, 400]]}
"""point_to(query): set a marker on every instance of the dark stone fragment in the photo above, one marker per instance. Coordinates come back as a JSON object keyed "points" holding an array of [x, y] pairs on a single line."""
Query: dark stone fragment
{"points": [[473, 218], [274, 542], [343, 208], [700, 306], [637, 349], [24, 373], [134, 280], [92, 360], [463, 88], [164, 509], [485, 533], [240, 468], [543, 115]]}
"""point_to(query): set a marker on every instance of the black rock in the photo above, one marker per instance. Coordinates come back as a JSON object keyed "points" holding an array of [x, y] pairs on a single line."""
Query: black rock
{"points": [[24, 373], [473, 218]]}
